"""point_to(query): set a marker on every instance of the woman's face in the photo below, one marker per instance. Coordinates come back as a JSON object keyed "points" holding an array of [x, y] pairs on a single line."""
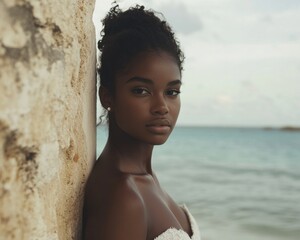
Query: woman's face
{"points": [[146, 103]]}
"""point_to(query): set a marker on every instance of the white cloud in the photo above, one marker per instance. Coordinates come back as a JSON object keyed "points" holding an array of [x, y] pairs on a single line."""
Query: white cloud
{"points": [[182, 19], [224, 100]]}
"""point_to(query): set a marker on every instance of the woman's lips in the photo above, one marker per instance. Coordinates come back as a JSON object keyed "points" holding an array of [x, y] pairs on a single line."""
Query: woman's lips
{"points": [[159, 126]]}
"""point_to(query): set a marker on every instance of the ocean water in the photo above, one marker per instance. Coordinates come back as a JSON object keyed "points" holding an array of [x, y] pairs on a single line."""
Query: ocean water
{"points": [[239, 183]]}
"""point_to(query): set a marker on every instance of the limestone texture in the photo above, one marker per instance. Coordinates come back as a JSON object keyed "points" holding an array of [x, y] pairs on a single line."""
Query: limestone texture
{"points": [[47, 116]]}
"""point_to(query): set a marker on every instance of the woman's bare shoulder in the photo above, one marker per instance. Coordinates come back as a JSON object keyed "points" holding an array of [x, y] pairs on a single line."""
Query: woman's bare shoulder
{"points": [[114, 208], [106, 184]]}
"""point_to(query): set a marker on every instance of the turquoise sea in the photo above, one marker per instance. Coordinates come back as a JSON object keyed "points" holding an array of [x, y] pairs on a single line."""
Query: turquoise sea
{"points": [[239, 183]]}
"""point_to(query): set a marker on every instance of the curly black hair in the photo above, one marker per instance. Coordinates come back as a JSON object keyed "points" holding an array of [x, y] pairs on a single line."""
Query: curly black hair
{"points": [[128, 33]]}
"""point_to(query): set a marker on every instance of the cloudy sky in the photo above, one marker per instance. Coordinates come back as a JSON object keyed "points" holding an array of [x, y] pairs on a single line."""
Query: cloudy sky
{"points": [[242, 64]]}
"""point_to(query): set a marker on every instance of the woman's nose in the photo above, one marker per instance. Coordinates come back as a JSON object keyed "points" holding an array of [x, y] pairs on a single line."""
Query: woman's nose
{"points": [[159, 106]]}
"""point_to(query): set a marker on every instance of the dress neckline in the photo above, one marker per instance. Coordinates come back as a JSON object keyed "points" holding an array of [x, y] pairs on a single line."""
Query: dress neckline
{"points": [[180, 233]]}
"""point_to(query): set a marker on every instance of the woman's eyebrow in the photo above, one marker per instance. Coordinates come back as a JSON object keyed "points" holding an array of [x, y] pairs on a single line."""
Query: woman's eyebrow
{"points": [[149, 81], [174, 82]]}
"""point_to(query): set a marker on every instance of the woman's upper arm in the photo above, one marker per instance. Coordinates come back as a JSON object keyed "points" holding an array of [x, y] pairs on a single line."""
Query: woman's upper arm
{"points": [[122, 218]]}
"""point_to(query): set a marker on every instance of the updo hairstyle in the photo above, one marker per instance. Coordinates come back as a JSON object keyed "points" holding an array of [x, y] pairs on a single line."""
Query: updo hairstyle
{"points": [[128, 33]]}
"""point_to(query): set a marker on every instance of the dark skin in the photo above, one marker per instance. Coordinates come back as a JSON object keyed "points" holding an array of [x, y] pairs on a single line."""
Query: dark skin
{"points": [[124, 199]]}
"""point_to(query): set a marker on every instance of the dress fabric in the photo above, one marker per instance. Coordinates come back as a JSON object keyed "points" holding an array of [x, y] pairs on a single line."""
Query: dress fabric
{"points": [[179, 234]]}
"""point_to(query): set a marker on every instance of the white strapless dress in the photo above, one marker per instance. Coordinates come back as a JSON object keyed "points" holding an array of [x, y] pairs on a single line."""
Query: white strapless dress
{"points": [[179, 234]]}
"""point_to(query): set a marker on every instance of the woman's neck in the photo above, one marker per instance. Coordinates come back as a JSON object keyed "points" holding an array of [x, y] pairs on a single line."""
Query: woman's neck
{"points": [[127, 154]]}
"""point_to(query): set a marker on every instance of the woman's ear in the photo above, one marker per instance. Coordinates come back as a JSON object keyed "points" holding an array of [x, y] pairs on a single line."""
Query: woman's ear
{"points": [[105, 97]]}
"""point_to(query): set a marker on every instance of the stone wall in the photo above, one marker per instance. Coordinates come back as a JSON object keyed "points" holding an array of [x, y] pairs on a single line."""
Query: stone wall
{"points": [[47, 116]]}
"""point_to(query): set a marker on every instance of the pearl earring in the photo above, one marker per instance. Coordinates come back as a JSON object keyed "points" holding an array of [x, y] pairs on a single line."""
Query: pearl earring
{"points": [[108, 109]]}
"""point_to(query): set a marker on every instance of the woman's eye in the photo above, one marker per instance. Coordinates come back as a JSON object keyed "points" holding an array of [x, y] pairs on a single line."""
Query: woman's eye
{"points": [[140, 91], [173, 92]]}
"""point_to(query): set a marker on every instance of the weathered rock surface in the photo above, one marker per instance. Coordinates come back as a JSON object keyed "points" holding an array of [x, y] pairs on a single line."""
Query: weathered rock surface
{"points": [[47, 116]]}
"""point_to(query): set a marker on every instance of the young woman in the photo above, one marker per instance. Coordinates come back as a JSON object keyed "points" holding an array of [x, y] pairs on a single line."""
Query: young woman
{"points": [[140, 80]]}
